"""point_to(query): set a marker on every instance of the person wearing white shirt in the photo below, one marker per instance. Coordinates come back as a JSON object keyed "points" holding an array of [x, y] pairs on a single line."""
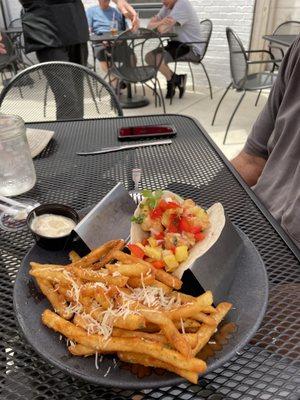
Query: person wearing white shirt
{"points": [[180, 17]]}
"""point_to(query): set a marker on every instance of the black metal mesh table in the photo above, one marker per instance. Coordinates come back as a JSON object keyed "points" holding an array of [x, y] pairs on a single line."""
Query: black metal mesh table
{"points": [[267, 368]]}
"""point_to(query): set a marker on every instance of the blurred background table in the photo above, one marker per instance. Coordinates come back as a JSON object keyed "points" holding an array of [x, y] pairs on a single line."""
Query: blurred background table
{"points": [[284, 40], [267, 368], [131, 100]]}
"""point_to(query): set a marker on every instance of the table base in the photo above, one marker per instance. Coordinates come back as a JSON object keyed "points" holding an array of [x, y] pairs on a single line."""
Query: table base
{"points": [[133, 102]]}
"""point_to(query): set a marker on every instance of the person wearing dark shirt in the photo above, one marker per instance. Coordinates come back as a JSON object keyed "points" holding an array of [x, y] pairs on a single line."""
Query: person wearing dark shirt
{"points": [[57, 30], [270, 160]]}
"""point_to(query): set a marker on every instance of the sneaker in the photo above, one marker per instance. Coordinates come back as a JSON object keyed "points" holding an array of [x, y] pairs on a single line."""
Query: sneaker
{"points": [[182, 85], [170, 89]]}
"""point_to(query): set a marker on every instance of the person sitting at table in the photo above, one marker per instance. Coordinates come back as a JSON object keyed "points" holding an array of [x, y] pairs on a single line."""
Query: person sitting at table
{"points": [[100, 20], [269, 162], [180, 17]]}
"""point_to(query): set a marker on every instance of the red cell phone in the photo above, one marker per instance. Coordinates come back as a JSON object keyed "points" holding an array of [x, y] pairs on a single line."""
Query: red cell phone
{"points": [[146, 131]]}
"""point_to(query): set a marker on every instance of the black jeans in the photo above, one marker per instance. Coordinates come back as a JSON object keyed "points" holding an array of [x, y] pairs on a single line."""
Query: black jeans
{"points": [[67, 87]]}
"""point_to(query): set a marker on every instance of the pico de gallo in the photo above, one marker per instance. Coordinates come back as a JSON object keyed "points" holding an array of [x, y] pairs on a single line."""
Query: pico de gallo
{"points": [[174, 226]]}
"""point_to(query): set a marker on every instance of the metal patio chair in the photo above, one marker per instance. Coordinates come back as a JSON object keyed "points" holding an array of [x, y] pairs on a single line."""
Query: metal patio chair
{"points": [[75, 92], [206, 27], [286, 28], [241, 80], [128, 62]]}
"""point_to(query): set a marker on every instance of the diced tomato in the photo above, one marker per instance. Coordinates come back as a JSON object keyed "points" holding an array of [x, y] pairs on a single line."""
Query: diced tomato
{"points": [[173, 226], [159, 236], [136, 250], [199, 236], [184, 225], [196, 229], [173, 249], [156, 213], [167, 205], [158, 264], [144, 242]]}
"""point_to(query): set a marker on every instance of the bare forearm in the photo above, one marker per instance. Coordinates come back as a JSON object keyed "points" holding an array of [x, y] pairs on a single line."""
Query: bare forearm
{"points": [[249, 167], [153, 24]]}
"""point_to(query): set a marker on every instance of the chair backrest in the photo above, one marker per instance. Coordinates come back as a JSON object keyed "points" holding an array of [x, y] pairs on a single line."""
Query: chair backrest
{"points": [[5, 59], [59, 91], [15, 23], [288, 28], [206, 27], [238, 59], [128, 55]]}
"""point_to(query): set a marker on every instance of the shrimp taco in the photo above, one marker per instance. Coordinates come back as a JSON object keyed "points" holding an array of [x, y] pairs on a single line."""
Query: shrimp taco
{"points": [[171, 232]]}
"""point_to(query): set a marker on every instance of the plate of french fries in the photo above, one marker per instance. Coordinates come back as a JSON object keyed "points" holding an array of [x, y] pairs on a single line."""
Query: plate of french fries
{"points": [[94, 316]]}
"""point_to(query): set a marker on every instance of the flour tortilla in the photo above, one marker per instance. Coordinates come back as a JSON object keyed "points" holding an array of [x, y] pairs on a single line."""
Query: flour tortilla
{"points": [[212, 233]]}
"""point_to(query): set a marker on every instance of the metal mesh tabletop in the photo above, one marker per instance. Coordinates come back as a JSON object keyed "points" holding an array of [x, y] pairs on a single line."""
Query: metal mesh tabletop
{"points": [[267, 368]]}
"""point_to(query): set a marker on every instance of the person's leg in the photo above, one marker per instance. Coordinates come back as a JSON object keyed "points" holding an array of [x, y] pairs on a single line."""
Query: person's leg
{"points": [[163, 57], [60, 84]]}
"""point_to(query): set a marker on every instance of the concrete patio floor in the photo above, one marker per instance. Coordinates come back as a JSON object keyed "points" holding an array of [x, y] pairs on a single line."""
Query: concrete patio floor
{"points": [[199, 105]]}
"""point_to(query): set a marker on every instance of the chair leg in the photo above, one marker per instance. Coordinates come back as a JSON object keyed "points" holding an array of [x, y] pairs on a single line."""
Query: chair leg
{"points": [[218, 106], [208, 80], [232, 115], [258, 97], [193, 80], [161, 96], [93, 94], [45, 98]]}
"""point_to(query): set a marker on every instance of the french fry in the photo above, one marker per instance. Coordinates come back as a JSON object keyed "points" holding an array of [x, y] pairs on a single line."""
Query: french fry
{"points": [[80, 350], [170, 331], [142, 359], [129, 270], [94, 255], [96, 292], [167, 279], [153, 349], [53, 275], [166, 289], [206, 319], [189, 325], [206, 331], [73, 256], [190, 309], [109, 256], [136, 282], [98, 276], [56, 299]]}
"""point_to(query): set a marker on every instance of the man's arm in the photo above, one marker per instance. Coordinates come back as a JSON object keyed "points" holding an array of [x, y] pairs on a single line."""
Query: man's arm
{"points": [[129, 12], [166, 25], [154, 22], [2, 47], [249, 166]]}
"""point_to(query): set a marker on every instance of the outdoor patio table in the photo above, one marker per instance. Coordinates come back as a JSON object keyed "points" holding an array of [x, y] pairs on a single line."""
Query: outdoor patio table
{"points": [[130, 101], [284, 40], [267, 368]]}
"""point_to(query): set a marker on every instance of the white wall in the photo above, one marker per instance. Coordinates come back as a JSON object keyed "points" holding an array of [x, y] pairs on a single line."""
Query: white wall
{"points": [[237, 14]]}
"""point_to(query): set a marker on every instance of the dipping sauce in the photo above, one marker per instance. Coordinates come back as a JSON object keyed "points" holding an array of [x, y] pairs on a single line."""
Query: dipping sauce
{"points": [[52, 225]]}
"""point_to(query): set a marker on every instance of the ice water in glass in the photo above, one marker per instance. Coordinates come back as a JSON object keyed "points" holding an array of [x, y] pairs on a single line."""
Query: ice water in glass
{"points": [[17, 174]]}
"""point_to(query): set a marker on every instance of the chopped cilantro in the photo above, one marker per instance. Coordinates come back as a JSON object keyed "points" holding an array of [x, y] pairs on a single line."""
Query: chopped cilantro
{"points": [[152, 197], [139, 219]]}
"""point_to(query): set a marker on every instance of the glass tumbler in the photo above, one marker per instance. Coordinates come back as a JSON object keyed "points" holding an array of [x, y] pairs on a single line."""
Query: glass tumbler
{"points": [[17, 173]]}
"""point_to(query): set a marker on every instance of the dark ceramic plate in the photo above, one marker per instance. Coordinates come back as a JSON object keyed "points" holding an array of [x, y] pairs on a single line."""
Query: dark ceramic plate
{"points": [[248, 293]]}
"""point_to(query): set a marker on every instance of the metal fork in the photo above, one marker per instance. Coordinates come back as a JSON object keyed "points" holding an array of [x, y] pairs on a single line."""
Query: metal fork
{"points": [[135, 193]]}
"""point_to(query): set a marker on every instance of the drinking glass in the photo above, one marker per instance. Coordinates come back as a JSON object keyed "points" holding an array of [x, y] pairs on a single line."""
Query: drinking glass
{"points": [[114, 27], [17, 174]]}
